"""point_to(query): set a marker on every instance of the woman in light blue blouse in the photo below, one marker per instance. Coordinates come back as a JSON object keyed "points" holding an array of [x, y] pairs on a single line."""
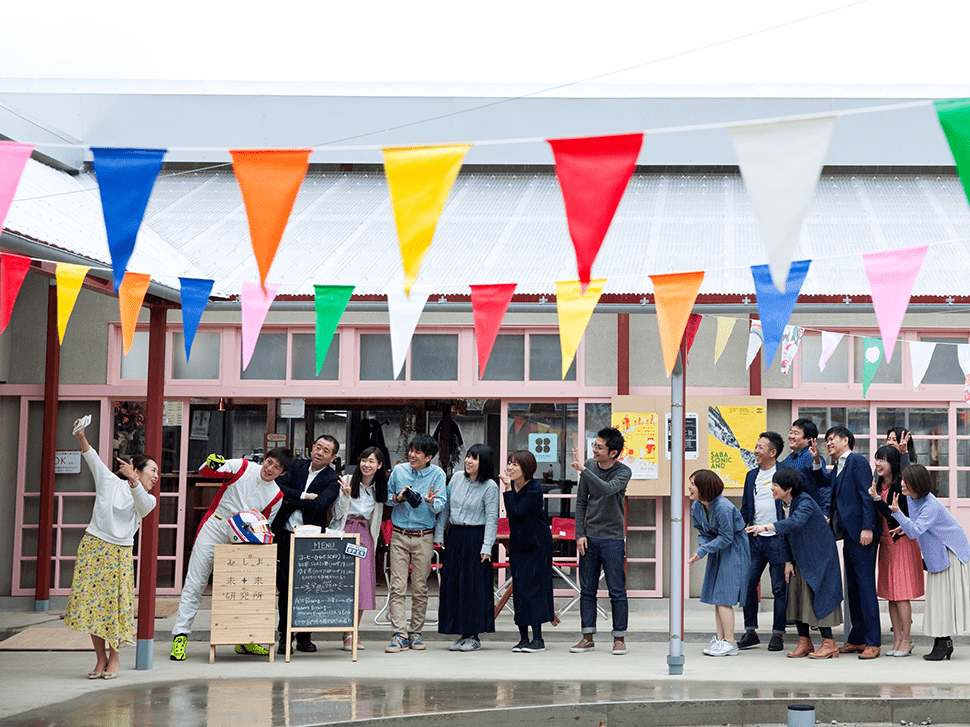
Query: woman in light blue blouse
{"points": [[466, 604], [946, 553]]}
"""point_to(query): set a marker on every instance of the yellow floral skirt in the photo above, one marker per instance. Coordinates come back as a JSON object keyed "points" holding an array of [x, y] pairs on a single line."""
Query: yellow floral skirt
{"points": [[103, 592]]}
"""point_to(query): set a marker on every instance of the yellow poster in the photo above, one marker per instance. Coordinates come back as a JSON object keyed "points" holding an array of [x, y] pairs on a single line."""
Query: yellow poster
{"points": [[732, 435], [641, 451]]}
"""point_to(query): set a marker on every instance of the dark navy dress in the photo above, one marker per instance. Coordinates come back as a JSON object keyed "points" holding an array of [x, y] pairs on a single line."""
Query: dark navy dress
{"points": [[530, 555]]}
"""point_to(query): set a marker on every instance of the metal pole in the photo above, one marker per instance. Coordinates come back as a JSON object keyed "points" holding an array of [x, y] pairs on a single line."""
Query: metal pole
{"points": [[675, 657], [45, 523]]}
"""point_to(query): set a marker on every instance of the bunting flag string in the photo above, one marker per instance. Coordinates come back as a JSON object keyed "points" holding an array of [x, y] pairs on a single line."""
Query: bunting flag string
{"points": [[892, 275], [69, 279], [404, 311], [954, 118], [873, 354], [724, 328], [125, 181], [830, 342], [489, 303], [329, 303], [131, 294], [575, 307], [256, 300], [195, 296], [13, 159], [13, 270], [774, 306], [593, 174], [270, 181], [674, 295], [419, 180], [756, 338], [920, 355]]}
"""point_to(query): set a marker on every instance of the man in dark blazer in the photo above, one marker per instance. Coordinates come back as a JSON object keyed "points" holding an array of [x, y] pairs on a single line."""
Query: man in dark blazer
{"points": [[309, 487], [759, 507], [854, 518]]}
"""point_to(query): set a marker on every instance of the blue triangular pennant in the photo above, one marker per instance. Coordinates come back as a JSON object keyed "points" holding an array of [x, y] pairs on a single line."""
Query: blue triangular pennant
{"points": [[195, 295], [775, 307]]}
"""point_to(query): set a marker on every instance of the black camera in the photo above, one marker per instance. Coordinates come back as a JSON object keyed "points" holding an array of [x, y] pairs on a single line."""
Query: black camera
{"points": [[411, 497]]}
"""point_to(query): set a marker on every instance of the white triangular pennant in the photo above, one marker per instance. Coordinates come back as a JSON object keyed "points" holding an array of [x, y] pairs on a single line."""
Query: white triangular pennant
{"points": [[755, 340], [404, 313], [780, 163], [920, 353], [789, 346], [830, 342]]}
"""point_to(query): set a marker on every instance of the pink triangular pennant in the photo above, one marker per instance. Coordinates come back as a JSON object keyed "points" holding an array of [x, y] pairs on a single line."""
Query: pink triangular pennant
{"points": [[13, 159], [255, 305], [693, 323], [892, 276], [13, 270], [489, 303]]}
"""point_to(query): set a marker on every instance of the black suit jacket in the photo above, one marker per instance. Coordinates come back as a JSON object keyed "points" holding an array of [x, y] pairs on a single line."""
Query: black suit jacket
{"points": [[326, 487], [850, 498]]}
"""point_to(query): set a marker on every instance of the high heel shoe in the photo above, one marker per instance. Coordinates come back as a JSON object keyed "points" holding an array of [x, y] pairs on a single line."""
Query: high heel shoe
{"points": [[95, 674], [904, 652], [942, 649]]}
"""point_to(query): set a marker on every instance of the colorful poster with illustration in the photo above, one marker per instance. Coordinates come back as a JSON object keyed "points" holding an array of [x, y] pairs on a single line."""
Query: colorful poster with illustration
{"points": [[641, 452], [732, 434]]}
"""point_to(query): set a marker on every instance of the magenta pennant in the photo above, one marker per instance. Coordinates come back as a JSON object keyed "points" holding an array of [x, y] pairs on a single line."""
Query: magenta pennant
{"points": [[593, 175], [13, 159], [13, 270], [255, 306], [489, 303], [892, 276]]}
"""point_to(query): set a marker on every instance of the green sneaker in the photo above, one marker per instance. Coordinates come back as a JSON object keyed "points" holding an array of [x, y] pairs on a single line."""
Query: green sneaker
{"points": [[178, 648], [252, 649]]}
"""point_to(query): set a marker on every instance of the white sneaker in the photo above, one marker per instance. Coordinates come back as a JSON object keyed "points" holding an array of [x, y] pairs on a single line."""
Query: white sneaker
{"points": [[715, 642], [725, 649], [457, 645]]}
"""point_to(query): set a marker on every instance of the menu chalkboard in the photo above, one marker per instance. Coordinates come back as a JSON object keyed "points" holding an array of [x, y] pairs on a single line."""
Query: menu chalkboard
{"points": [[323, 584]]}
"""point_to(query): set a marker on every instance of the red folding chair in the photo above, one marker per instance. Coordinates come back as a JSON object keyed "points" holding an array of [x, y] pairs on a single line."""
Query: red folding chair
{"points": [[500, 592], [564, 529], [387, 529]]}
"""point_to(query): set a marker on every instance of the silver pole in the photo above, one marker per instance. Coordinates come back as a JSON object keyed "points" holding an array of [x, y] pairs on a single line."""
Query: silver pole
{"points": [[675, 658]]}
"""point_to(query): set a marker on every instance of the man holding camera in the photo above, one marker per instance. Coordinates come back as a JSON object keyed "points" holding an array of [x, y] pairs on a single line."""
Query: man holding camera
{"points": [[417, 493]]}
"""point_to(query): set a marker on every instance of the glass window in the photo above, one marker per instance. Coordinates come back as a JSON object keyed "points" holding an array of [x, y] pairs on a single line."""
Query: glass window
{"points": [[304, 359], [434, 357], [855, 419], [528, 425], [269, 359], [375, 358], [134, 365], [507, 360], [836, 368], [887, 373], [545, 359], [204, 362], [944, 367]]}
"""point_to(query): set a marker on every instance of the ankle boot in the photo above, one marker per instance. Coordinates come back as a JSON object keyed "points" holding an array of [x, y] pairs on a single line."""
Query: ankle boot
{"points": [[942, 648], [828, 650], [804, 648]]}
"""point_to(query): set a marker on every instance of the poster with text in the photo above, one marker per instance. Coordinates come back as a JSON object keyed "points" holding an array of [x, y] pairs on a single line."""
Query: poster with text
{"points": [[690, 437], [732, 435], [641, 451]]}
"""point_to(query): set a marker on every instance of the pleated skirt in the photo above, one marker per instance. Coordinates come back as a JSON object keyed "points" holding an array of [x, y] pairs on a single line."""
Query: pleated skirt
{"points": [[948, 600], [466, 601], [801, 604], [366, 599], [900, 569], [102, 600]]}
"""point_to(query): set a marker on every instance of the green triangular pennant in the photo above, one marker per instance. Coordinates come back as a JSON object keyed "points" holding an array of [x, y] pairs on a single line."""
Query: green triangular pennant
{"points": [[954, 116], [330, 302]]}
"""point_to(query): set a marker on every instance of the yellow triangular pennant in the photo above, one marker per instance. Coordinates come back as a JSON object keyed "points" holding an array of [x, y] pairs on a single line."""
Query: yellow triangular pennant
{"points": [[69, 279], [420, 180], [575, 309], [724, 328]]}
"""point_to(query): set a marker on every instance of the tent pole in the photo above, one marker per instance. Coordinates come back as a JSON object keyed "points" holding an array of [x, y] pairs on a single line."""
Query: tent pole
{"points": [[678, 391]]}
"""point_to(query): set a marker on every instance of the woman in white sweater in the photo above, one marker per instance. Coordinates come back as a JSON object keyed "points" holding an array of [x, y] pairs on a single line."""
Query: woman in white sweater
{"points": [[102, 594]]}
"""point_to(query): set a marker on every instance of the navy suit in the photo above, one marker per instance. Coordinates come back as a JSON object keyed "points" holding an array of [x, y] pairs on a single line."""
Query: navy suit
{"points": [[771, 551], [852, 512], [326, 487]]}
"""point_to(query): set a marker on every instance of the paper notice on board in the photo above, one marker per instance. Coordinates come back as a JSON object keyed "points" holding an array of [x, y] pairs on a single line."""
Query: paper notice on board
{"points": [[691, 450]]}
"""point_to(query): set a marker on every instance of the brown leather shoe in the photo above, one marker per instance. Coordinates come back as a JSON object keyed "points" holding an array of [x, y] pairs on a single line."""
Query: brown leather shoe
{"points": [[828, 650], [852, 648], [804, 648], [870, 652]]}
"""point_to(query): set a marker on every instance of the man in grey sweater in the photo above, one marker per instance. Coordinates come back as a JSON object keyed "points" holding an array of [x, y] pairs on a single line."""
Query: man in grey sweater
{"points": [[601, 536]]}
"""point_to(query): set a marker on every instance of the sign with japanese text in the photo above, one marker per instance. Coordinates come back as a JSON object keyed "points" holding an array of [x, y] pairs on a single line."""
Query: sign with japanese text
{"points": [[243, 596]]}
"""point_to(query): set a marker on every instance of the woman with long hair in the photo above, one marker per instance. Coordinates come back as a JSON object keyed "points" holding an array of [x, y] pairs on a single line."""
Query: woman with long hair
{"points": [[466, 602], [901, 440], [946, 553], [530, 551], [103, 591], [721, 537], [359, 509], [900, 562]]}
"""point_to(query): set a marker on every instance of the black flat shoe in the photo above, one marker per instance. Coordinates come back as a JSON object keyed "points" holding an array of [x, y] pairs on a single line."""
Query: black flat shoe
{"points": [[305, 645]]}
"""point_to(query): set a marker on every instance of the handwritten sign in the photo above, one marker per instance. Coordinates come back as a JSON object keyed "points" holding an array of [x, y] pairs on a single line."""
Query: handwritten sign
{"points": [[243, 596]]}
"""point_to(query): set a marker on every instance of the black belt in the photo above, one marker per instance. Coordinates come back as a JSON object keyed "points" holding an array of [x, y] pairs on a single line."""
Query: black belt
{"points": [[415, 533]]}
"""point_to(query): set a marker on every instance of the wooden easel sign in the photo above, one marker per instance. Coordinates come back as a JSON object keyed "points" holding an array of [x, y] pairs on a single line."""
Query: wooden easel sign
{"points": [[243, 597], [324, 585]]}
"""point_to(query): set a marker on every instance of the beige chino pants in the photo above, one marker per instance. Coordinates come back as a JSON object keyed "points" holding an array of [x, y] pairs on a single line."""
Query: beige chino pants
{"points": [[410, 553]]}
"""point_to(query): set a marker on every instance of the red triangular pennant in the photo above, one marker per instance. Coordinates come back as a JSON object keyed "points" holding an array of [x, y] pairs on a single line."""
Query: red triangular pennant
{"points": [[13, 270], [693, 323], [489, 303], [593, 174]]}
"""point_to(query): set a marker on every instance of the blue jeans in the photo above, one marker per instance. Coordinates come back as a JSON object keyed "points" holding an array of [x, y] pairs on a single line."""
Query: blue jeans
{"points": [[608, 555], [763, 552]]}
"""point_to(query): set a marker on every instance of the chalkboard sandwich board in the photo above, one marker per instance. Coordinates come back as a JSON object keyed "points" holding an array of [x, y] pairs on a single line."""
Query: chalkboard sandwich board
{"points": [[324, 583]]}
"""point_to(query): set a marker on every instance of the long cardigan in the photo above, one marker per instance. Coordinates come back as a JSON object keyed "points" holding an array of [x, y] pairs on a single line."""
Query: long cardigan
{"points": [[721, 537]]}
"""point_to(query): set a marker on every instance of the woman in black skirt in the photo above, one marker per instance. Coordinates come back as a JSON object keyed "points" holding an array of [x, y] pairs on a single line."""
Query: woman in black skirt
{"points": [[466, 604], [530, 551]]}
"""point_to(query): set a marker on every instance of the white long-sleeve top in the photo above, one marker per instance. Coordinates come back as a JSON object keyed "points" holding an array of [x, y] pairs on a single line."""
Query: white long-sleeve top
{"points": [[118, 507]]}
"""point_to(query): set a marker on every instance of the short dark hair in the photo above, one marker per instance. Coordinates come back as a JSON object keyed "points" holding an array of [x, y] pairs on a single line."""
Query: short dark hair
{"points": [[809, 430], [380, 477], [486, 461], [708, 484], [526, 460], [841, 433], [332, 440], [900, 433], [140, 462], [788, 479], [424, 444], [281, 455], [612, 438], [776, 441], [918, 480]]}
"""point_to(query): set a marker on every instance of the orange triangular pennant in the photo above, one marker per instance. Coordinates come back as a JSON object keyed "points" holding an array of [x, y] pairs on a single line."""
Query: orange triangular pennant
{"points": [[674, 295], [131, 294]]}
